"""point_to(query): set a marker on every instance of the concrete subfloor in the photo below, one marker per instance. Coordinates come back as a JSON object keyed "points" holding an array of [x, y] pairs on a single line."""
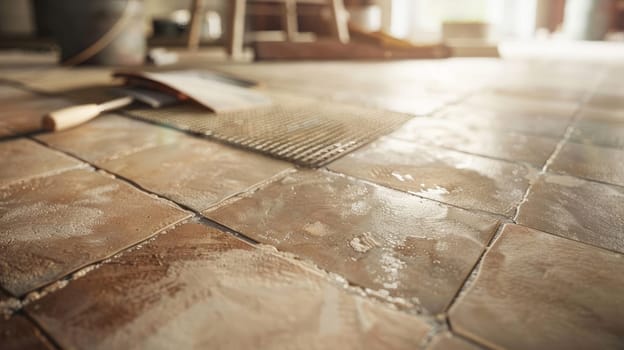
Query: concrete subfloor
{"points": [[492, 219]]}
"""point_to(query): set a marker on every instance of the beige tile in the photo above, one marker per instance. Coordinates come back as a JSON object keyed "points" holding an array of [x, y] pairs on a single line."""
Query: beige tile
{"points": [[605, 100], [515, 104], [539, 92], [600, 114], [467, 181], [17, 333], [480, 141], [23, 159], [539, 291], [599, 132], [109, 136], [591, 162], [448, 341], [581, 210], [515, 121], [54, 225], [196, 172], [375, 237], [196, 287]]}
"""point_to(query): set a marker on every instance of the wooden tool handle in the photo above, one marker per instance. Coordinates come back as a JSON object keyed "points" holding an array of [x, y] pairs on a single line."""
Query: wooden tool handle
{"points": [[72, 116]]}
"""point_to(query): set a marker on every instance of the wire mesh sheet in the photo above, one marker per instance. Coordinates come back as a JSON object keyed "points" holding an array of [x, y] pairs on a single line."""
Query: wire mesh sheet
{"points": [[305, 131]]}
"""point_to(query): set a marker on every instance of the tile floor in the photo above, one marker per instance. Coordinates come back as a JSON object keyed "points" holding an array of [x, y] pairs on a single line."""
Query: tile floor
{"points": [[492, 219]]}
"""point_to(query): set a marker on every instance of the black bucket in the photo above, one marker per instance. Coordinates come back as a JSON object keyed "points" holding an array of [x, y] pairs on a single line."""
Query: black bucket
{"points": [[102, 32]]}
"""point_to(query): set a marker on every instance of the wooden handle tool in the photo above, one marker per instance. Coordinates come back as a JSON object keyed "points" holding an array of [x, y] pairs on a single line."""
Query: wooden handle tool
{"points": [[72, 116]]}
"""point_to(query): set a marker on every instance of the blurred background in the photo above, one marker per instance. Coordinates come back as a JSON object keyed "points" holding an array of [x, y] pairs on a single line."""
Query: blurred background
{"points": [[123, 31]]}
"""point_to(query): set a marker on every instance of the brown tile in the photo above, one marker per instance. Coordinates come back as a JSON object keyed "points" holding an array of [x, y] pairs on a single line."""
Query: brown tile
{"points": [[109, 137], [467, 181], [195, 287], [581, 210], [196, 172], [539, 291], [23, 159], [487, 142], [591, 162], [57, 224], [448, 341], [599, 132], [375, 237], [525, 123], [18, 333], [22, 114]]}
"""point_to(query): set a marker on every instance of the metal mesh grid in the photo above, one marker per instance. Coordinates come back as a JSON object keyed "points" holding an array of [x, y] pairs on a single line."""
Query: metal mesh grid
{"points": [[304, 131]]}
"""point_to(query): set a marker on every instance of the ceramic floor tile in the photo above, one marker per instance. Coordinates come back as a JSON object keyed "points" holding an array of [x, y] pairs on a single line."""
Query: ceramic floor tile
{"points": [[373, 236], [581, 210], [23, 159], [600, 114], [17, 333], [607, 101], [591, 162], [196, 172], [195, 287], [487, 142], [448, 341], [606, 133], [548, 108], [467, 181], [483, 118], [539, 92], [54, 225], [108, 137], [539, 291]]}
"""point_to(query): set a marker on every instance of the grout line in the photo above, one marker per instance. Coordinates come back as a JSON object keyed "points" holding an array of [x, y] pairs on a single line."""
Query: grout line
{"points": [[47, 336], [566, 136], [472, 276]]}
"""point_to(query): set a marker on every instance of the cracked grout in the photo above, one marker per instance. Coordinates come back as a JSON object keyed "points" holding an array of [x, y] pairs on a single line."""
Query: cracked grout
{"points": [[566, 136], [470, 281]]}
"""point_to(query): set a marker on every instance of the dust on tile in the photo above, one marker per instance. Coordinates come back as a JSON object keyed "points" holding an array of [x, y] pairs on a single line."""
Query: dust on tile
{"points": [[195, 286], [468, 181], [377, 238], [53, 225]]}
